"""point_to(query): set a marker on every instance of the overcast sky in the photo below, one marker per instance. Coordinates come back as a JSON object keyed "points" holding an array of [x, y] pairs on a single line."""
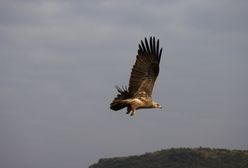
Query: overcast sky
{"points": [[60, 61]]}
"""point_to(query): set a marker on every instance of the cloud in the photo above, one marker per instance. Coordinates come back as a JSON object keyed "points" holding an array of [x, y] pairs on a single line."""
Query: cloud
{"points": [[60, 61]]}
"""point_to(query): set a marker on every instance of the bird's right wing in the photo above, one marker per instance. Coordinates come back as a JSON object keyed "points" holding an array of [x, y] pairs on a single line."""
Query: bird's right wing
{"points": [[146, 68]]}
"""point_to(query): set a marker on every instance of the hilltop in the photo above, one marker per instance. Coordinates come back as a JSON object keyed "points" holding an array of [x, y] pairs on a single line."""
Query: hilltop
{"points": [[180, 157]]}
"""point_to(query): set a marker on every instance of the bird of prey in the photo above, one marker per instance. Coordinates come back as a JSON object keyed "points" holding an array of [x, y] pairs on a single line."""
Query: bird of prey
{"points": [[144, 73]]}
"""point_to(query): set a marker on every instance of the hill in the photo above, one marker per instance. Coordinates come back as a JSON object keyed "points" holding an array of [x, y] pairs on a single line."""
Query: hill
{"points": [[180, 157]]}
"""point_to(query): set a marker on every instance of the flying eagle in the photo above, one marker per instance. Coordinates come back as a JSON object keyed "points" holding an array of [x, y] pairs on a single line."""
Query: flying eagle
{"points": [[143, 76]]}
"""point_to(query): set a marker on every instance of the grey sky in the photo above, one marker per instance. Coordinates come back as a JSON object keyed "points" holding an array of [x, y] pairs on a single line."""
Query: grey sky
{"points": [[60, 61]]}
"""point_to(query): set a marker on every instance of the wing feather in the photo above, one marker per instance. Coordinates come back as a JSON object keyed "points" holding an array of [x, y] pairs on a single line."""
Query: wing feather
{"points": [[146, 68]]}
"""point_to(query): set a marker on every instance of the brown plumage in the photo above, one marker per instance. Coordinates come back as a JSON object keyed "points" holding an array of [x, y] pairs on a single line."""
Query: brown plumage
{"points": [[143, 76]]}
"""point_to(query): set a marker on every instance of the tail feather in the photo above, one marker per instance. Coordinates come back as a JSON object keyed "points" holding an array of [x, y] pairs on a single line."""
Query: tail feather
{"points": [[119, 101]]}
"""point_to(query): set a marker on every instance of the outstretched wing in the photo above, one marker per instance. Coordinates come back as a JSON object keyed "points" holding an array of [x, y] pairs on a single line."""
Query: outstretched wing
{"points": [[145, 69]]}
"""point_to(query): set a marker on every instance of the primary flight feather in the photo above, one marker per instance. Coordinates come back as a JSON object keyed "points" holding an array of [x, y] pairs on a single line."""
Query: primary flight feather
{"points": [[143, 76]]}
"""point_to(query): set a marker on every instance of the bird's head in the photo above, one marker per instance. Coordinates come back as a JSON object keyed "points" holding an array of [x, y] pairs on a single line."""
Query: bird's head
{"points": [[156, 105]]}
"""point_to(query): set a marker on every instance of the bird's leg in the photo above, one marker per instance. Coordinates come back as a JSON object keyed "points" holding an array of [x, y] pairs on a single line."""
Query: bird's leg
{"points": [[133, 111], [128, 110]]}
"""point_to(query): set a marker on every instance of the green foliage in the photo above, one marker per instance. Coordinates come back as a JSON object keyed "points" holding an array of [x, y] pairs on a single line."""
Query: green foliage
{"points": [[180, 157]]}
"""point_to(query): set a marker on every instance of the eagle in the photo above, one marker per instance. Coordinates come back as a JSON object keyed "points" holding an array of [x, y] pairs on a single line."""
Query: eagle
{"points": [[138, 94]]}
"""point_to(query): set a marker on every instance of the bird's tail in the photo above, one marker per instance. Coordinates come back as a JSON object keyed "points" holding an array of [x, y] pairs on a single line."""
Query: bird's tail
{"points": [[119, 101]]}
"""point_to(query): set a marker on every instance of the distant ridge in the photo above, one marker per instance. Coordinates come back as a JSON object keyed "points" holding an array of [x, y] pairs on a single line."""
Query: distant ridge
{"points": [[180, 158]]}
